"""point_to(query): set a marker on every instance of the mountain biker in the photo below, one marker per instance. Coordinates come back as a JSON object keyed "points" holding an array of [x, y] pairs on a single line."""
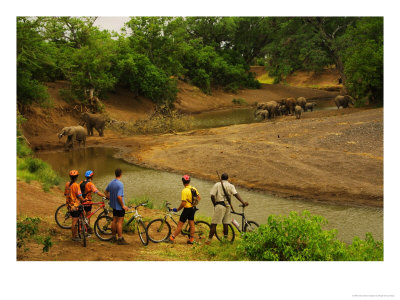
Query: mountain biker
{"points": [[188, 210], [222, 207], [73, 198], [87, 188], [115, 192]]}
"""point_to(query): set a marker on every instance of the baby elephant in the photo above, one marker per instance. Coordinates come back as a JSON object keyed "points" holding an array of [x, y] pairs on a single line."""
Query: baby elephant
{"points": [[262, 114], [310, 106], [73, 133], [297, 111]]}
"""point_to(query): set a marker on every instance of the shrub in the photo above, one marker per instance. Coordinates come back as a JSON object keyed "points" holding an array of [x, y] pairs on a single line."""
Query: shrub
{"points": [[29, 228], [239, 101], [302, 238]]}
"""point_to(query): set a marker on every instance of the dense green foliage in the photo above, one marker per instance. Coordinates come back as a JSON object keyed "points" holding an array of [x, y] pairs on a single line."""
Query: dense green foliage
{"points": [[302, 238], [209, 52], [30, 168]]}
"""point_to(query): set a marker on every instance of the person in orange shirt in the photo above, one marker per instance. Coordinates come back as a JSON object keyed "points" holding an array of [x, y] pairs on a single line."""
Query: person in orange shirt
{"points": [[73, 198], [87, 188]]}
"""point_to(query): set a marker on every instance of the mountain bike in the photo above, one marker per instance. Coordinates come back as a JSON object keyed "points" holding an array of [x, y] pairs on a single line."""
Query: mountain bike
{"points": [[159, 229], [247, 226], [102, 226], [64, 219]]}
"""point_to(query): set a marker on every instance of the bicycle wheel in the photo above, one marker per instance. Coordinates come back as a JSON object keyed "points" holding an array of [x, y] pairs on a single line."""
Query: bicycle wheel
{"points": [[102, 228], [219, 233], [158, 230], [81, 230], [63, 217], [142, 231], [250, 226], [202, 231]]}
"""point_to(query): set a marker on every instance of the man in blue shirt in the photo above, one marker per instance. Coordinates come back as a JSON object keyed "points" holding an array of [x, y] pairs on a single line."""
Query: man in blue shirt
{"points": [[115, 192]]}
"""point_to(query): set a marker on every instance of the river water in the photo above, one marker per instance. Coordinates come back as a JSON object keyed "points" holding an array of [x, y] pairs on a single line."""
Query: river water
{"points": [[162, 186]]}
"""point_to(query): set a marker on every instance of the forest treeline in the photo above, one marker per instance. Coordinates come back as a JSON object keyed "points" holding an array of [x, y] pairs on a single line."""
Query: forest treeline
{"points": [[152, 53]]}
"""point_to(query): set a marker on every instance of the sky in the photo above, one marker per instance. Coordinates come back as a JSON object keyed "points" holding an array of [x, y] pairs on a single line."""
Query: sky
{"points": [[111, 23]]}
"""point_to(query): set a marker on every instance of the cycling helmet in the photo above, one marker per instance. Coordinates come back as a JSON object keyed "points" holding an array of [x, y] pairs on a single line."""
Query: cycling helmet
{"points": [[73, 173], [185, 178], [89, 173]]}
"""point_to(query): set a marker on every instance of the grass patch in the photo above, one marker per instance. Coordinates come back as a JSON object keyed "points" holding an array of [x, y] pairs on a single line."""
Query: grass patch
{"points": [[239, 101], [266, 79]]}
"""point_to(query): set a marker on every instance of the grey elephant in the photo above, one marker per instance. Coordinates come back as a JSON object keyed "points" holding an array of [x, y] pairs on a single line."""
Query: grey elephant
{"points": [[310, 106], [297, 111], [73, 133], [344, 101], [301, 101], [290, 103], [282, 110], [94, 121], [262, 114], [272, 107]]}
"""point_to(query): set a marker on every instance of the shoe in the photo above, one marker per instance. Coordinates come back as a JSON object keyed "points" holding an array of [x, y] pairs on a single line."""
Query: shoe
{"points": [[76, 239], [90, 230], [169, 241], [113, 239], [122, 241], [190, 242]]}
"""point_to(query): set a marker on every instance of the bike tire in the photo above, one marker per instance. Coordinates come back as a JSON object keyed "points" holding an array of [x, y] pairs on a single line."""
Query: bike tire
{"points": [[84, 230], [202, 231], [219, 233], [63, 217], [142, 231], [250, 226], [102, 228], [158, 230]]}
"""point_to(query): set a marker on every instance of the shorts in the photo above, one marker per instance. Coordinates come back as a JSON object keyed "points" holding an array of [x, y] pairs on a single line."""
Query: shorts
{"points": [[118, 213], [187, 214], [75, 213], [222, 215], [87, 207]]}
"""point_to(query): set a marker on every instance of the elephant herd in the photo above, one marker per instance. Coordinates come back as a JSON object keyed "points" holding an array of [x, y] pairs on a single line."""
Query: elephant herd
{"points": [[292, 106], [78, 133]]}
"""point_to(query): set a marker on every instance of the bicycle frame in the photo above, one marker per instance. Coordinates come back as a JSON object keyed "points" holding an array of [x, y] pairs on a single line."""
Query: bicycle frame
{"points": [[170, 213], [244, 220], [135, 212], [101, 205]]}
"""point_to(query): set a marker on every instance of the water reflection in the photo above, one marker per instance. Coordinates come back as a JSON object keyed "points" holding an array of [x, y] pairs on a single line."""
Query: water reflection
{"points": [[161, 186]]}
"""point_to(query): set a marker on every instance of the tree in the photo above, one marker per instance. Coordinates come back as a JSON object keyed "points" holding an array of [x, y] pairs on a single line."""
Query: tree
{"points": [[363, 59]]}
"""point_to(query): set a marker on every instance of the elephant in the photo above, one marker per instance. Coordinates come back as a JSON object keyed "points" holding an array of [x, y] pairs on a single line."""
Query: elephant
{"points": [[73, 133], [302, 102], [310, 106], [93, 121], [282, 110], [290, 103], [262, 113], [272, 108], [297, 111], [344, 101]]}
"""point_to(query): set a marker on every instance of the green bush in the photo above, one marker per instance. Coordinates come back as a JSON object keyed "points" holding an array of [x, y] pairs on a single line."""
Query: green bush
{"points": [[29, 228], [301, 238]]}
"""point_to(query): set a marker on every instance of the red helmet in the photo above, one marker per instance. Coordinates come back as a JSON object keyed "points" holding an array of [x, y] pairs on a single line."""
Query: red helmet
{"points": [[73, 173], [185, 178]]}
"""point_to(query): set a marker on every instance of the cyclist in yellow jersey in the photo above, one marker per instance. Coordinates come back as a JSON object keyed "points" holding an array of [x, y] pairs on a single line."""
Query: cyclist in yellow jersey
{"points": [[188, 210]]}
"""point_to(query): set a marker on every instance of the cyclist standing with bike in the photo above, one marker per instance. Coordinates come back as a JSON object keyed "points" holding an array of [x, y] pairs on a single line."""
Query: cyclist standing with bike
{"points": [[115, 192], [188, 210], [87, 188], [73, 197], [221, 194]]}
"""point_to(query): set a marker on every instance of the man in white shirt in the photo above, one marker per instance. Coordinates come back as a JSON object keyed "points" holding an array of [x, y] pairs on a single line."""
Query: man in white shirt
{"points": [[222, 208]]}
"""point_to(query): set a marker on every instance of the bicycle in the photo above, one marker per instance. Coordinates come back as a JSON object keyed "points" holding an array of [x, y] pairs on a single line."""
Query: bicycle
{"points": [[63, 216], [159, 230], [82, 225], [102, 226], [247, 226]]}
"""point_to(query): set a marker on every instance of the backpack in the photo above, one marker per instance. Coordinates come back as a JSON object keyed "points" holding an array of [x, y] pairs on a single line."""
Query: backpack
{"points": [[83, 188], [195, 198]]}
